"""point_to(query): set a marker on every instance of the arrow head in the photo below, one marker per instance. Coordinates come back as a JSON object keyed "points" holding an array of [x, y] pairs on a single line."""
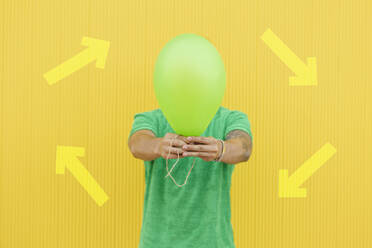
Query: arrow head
{"points": [[65, 155], [99, 48], [288, 188], [308, 77]]}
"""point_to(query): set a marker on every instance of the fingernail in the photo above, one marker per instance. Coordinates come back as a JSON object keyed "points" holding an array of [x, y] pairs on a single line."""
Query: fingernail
{"points": [[184, 154], [184, 147], [189, 138]]}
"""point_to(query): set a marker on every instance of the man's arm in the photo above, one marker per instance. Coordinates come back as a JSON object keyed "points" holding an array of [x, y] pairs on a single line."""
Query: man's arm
{"points": [[238, 147], [144, 145]]}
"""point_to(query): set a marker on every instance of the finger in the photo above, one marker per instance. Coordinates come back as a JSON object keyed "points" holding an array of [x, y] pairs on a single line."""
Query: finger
{"points": [[201, 148], [196, 154], [200, 139], [173, 150], [172, 154], [184, 139], [176, 143]]}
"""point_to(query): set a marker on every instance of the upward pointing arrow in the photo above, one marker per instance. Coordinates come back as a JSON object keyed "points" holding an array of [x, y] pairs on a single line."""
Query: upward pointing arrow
{"points": [[67, 158], [306, 74], [96, 50]]}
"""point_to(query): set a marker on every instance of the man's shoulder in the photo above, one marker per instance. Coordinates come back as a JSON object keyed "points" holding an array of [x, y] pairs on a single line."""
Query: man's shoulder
{"points": [[225, 112], [151, 112], [155, 114]]}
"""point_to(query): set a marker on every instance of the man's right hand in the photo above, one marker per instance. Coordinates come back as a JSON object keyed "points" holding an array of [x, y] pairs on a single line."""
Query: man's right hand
{"points": [[164, 145]]}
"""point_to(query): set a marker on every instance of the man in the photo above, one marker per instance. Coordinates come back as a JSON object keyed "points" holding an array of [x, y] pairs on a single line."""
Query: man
{"points": [[198, 214]]}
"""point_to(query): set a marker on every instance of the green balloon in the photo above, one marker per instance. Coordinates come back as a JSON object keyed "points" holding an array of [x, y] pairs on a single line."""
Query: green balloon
{"points": [[189, 82]]}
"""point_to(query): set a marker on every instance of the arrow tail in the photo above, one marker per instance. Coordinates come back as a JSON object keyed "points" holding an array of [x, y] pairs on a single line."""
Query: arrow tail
{"points": [[286, 55], [70, 66], [310, 166], [86, 180]]}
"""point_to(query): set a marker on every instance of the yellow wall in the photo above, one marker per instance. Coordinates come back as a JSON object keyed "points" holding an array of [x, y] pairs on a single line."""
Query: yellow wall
{"points": [[94, 108]]}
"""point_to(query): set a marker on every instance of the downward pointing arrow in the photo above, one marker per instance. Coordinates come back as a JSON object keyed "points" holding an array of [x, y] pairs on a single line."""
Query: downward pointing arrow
{"points": [[306, 74], [96, 50], [289, 186], [67, 158]]}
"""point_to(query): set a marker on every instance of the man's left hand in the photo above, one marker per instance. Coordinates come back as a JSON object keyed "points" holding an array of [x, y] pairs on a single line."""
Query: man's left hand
{"points": [[206, 148]]}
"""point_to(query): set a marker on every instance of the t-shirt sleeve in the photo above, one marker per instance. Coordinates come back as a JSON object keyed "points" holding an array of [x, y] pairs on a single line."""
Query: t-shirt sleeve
{"points": [[238, 120], [144, 120]]}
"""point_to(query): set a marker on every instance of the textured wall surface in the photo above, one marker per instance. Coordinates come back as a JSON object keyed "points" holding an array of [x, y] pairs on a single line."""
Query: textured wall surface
{"points": [[93, 108]]}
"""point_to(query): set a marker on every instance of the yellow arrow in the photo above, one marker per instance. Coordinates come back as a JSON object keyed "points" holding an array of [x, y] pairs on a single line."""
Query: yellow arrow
{"points": [[96, 50], [289, 186], [306, 74], [67, 158]]}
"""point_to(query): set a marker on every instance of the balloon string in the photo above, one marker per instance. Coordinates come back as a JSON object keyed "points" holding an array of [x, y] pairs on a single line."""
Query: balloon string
{"points": [[178, 157]]}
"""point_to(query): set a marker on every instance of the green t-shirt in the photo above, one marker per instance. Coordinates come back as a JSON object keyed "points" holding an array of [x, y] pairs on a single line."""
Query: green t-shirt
{"points": [[198, 214]]}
